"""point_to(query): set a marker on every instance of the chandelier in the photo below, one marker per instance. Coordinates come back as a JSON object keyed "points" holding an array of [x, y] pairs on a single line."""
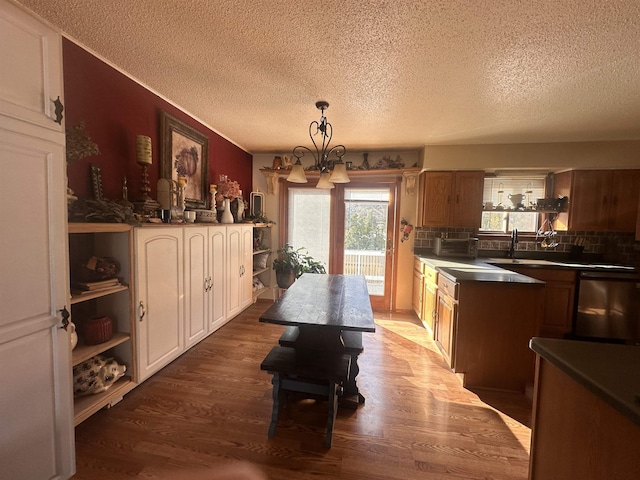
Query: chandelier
{"points": [[331, 170]]}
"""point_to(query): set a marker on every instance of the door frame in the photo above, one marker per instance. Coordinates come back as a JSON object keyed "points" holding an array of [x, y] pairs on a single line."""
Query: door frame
{"points": [[336, 258]]}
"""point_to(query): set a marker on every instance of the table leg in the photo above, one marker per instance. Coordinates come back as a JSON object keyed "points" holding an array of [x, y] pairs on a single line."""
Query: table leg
{"points": [[352, 396], [278, 398]]}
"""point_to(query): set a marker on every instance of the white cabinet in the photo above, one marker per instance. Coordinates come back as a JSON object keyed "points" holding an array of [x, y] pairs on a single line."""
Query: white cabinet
{"points": [[190, 280], [31, 59], [159, 297], [36, 402], [218, 276], [239, 268], [197, 284]]}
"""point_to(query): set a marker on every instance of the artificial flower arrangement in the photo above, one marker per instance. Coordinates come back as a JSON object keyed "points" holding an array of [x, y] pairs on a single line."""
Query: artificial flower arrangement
{"points": [[227, 189]]}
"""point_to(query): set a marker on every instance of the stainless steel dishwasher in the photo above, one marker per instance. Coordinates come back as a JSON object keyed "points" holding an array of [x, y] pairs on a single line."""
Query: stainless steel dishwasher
{"points": [[608, 307]]}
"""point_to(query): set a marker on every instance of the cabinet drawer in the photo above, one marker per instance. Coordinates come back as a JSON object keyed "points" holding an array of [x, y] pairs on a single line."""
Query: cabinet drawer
{"points": [[430, 275], [448, 287]]}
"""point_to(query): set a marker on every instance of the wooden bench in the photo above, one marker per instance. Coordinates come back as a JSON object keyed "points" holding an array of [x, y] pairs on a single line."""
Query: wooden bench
{"points": [[352, 346], [318, 375]]}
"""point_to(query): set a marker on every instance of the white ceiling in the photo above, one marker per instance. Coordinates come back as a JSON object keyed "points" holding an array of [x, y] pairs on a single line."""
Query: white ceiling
{"points": [[397, 73]]}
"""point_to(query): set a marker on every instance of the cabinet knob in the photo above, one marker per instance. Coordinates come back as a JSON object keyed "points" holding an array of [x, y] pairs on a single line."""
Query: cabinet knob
{"points": [[141, 310], [65, 318]]}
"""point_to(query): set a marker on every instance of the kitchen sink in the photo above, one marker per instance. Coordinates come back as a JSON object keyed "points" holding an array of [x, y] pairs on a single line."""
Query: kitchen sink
{"points": [[519, 261]]}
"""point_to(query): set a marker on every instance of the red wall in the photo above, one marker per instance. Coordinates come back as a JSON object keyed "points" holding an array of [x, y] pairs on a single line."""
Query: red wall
{"points": [[115, 109]]}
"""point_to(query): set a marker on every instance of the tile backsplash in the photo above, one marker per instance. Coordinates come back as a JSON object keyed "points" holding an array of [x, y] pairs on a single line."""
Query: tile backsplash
{"points": [[609, 247]]}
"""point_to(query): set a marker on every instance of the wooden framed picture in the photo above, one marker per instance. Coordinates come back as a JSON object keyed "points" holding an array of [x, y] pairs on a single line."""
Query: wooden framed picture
{"points": [[185, 153]]}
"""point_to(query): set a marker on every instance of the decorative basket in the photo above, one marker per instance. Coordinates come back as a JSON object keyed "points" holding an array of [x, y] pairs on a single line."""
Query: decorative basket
{"points": [[97, 330]]}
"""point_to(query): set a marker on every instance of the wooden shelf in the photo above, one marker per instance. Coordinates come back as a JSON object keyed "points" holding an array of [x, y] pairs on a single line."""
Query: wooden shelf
{"points": [[101, 293], [86, 406], [262, 270], [98, 227], [255, 252], [85, 352], [259, 292]]}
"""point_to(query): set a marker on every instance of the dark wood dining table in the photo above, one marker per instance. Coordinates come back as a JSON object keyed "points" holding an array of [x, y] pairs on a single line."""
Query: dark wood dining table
{"points": [[326, 308]]}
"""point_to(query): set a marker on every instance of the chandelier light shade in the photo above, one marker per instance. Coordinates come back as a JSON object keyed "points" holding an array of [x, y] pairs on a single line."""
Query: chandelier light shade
{"points": [[325, 181], [331, 169], [297, 174]]}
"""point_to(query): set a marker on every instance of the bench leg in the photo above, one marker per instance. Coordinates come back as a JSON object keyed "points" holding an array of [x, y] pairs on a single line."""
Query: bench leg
{"points": [[278, 398], [333, 410], [352, 396]]}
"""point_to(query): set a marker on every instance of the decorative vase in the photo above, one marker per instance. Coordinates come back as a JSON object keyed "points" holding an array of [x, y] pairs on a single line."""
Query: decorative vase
{"points": [[74, 335], [240, 209], [234, 209], [226, 217]]}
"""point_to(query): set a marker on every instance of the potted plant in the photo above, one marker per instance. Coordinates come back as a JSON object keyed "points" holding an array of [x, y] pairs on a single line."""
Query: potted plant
{"points": [[289, 264]]}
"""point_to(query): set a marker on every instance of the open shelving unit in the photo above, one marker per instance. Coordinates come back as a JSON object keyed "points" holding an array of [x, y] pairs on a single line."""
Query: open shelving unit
{"points": [[262, 231], [112, 240]]}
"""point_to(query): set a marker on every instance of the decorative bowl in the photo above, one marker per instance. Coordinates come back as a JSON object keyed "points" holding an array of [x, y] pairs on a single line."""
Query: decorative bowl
{"points": [[205, 216]]}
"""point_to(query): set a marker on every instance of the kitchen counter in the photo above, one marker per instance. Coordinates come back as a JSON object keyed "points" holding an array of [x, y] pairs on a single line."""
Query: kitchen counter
{"points": [[586, 416], [478, 270], [496, 269], [610, 371]]}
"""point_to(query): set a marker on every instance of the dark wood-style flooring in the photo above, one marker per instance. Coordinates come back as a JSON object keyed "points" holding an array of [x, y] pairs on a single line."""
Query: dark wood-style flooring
{"points": [[212, 406]]}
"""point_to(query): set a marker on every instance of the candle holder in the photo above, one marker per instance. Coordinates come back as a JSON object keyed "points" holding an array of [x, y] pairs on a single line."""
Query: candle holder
{"points": [[145, 204]]}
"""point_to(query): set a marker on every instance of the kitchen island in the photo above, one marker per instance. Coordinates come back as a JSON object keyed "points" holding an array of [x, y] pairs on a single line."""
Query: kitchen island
{"points": [[484, 319], [586, 413]]}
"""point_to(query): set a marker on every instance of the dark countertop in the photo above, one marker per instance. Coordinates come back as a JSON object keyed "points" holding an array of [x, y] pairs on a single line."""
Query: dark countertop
{"points": [[610, 371], [470, 270], [496, 269]]}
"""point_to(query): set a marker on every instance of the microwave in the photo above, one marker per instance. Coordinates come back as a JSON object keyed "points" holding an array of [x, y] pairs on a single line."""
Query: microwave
{"points": [[456, 247]]}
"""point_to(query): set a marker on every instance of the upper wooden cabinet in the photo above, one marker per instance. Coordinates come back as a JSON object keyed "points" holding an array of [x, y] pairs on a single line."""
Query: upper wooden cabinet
{"points": [[451, 199], [599, 200]]}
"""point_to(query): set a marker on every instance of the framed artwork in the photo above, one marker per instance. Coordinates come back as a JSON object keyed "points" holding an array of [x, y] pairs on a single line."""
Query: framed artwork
{"points": [[185, 153]]}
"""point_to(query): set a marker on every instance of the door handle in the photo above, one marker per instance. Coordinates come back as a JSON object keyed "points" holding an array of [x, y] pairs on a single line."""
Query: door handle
{"points": [[58, 111], [141, 310], [65, 318]]}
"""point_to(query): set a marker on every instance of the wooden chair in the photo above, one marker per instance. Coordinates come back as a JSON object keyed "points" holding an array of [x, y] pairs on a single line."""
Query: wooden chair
{"points": [[317, 375]]}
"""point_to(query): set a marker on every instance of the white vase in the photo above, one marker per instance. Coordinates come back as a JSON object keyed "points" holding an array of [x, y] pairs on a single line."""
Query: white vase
{"points": [[227, 217]]}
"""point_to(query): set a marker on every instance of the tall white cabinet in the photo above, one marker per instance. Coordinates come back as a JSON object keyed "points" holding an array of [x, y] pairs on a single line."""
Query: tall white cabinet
{"points": [[239, 268], [36, 402]]}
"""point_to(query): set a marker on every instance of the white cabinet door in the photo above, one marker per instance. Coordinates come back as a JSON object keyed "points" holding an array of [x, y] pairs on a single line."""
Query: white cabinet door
{"points": [[218, 275], [196, 284], [246, 278], [235, 262], [159, 302], [31, 65], [36, 402]]}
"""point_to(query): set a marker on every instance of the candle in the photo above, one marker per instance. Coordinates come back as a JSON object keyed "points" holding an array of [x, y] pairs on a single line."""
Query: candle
{"points": [[143, 149]]}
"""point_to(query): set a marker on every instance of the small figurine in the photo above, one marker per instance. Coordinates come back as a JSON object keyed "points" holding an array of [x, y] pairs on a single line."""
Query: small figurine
{"points": [[96, 375]]}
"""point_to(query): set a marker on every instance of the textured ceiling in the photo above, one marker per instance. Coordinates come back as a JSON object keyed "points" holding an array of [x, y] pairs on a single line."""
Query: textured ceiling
{"points": [[397, 74]]}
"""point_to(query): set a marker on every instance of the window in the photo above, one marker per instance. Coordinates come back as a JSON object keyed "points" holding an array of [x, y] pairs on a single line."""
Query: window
{"points": [[309, 211], [509, 202]]}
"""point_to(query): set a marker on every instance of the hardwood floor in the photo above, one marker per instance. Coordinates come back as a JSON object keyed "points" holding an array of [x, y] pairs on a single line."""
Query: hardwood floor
{"points": [[212, 406]]}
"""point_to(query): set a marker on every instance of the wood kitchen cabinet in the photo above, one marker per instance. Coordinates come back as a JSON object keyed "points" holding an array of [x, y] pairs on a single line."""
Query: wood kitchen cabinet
{"points": [[559, 298], [446, 317], [483, 331], [599, 200], [451, 199], [416, 298], [429, 297]]}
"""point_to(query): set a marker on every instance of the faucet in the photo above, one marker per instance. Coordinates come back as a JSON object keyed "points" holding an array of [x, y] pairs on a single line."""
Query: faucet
{"points": [[514, 241]]}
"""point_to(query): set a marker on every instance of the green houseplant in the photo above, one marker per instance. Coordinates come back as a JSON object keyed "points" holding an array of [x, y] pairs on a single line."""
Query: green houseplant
{"points": [[290, 263]]}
